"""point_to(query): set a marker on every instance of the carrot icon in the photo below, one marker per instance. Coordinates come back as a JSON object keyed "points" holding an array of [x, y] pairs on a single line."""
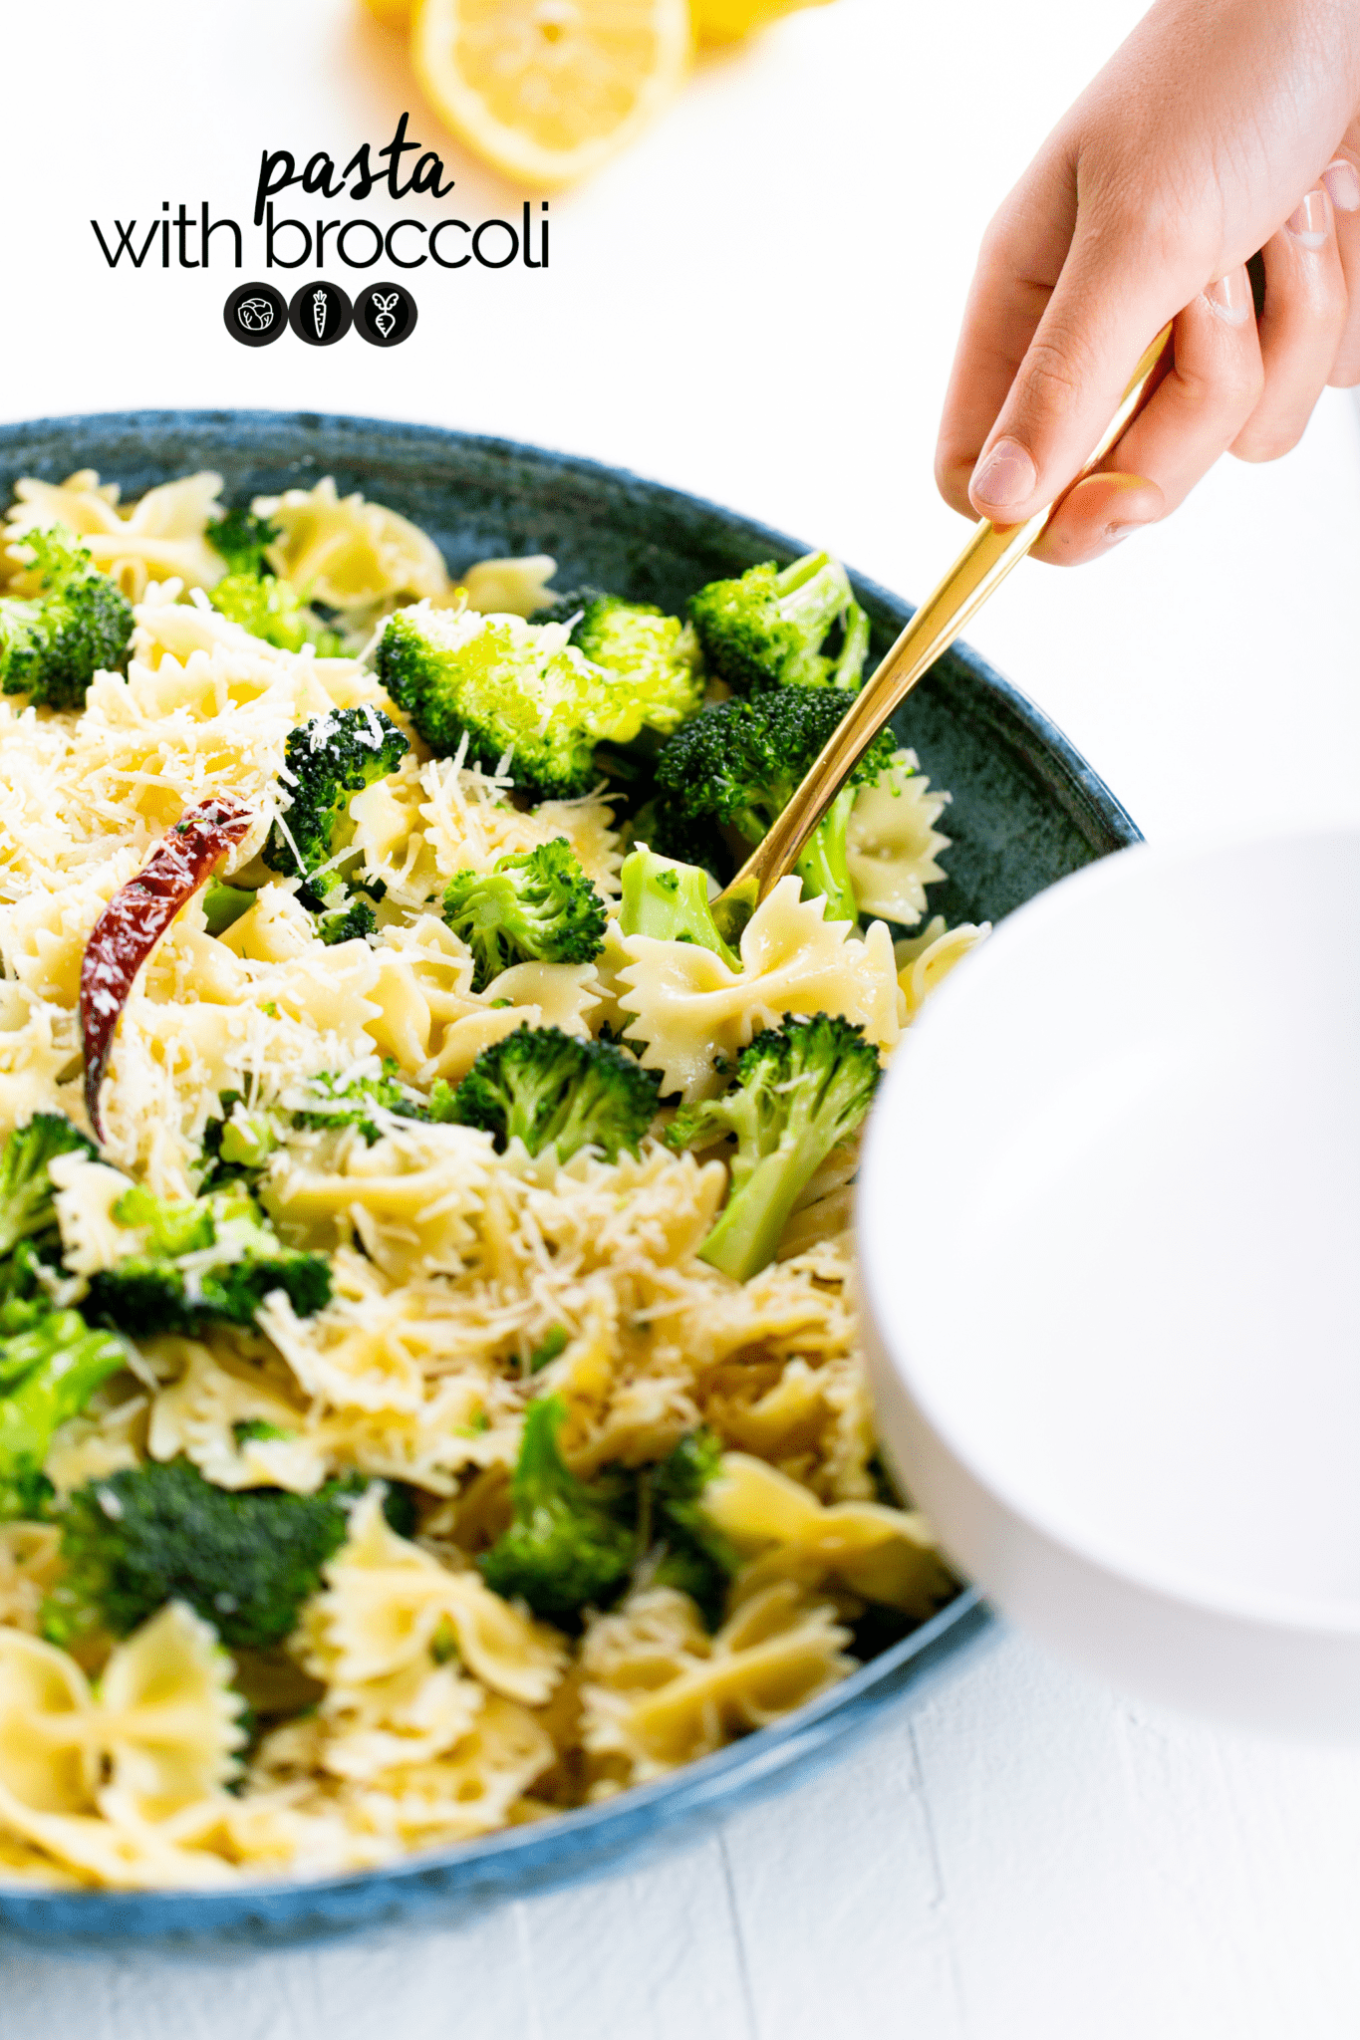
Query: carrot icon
{"points": [[319, 308]]}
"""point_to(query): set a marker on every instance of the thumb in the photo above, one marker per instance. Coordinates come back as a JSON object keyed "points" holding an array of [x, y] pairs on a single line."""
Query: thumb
{"points": [[1098, 321]]}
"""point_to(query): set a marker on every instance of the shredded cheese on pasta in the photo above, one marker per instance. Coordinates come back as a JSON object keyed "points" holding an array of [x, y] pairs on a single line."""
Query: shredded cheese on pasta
{"points": [[437, 1710]]}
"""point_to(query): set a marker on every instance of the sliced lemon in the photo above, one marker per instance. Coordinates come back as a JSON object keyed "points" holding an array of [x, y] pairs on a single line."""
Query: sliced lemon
{"points": [[391, 13], [727, 20], [546, 89]]}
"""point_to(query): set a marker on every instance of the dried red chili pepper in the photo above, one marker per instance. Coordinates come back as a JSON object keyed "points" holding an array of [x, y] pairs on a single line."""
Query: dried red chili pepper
{"points": [[137, 916]]}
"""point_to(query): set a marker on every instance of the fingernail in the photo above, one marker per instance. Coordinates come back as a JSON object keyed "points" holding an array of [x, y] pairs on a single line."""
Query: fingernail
{"points": [[1343, 185], [1008, 475], [1230, 298], [1308, 221], [1115, 534]]}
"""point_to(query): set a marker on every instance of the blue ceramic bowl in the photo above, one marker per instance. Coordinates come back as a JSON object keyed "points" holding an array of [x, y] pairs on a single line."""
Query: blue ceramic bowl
{"points": [[1027, 810]]}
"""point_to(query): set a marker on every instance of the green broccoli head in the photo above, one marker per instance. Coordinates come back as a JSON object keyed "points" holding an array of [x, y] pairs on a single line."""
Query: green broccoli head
{"points": [[572, 1543], [26, 1208], [655, 656], [326, 762], [669, 901], [738, 764], [243, 541], [245, 1560], [363, 1101], [547, 1088], [536, 906], [768, 628], [801, 1089], [512, 689], [53, 644], [200, 1261], [47, 1375], [348, 921], [273, 610]]}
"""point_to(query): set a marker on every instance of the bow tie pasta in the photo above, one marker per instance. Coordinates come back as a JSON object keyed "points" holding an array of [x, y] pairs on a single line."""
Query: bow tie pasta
{"points": [[430, 1396]]}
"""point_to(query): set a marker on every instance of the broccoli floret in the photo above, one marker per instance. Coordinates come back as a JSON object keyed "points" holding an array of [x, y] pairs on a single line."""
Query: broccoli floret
{"points": [[201, 1260], [572, 1543], [348, 922], [47, 1375], [326, 762], [53, 644], [513, 689], [669, 901], [243, 540], [536, 906], [246, 1560], [739, 763], [767, 629], [273, 610], [26, 1209], [351, 1101], [543, 1087], [25, 1298], [801, 1089], [657, 655], [697, 1558]]}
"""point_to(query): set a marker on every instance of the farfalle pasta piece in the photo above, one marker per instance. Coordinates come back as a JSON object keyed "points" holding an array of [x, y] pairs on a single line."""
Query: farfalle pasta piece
{"points": [[29, 1562], [509, 587], [892, 842], [924, 961], [408, 1718], [37, 1051], [882, 1554], [114, 1847], [386, 1601], [657, 1692], [36, 798], [689, 1007], [411, 1198], [48, 1754], [168, 1719], [107, 1437], [347, 553], [161, 537], [238, 1431]]}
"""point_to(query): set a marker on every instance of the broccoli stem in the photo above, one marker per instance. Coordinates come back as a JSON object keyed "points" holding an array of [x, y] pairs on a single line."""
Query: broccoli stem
{"points": [[48, 1375], [746, 1236], [669, 902], [823, 865], [849, 668]]}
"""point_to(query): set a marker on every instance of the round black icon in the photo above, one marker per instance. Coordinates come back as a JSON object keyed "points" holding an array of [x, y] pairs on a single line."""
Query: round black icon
{"points": [[385, 314], [320, 313], [255, 314]]}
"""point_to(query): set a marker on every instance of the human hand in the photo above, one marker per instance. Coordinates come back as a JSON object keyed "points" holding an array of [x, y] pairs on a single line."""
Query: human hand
{"points": [[1220, 128]]}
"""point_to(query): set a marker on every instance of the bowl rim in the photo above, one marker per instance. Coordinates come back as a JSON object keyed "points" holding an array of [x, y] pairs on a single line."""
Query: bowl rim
{"points": [[1093, 795], [763, 1754]]}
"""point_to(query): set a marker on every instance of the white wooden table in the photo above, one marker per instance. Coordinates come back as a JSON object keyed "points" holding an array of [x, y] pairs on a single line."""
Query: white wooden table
{"points": [[759, 304]]}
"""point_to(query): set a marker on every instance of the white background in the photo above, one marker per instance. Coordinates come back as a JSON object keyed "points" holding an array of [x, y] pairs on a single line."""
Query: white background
{"points": [[759, 303]]}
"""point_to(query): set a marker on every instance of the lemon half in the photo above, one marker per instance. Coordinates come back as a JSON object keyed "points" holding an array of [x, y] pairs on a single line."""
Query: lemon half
{"points": [[728, 20], [546, 89]]}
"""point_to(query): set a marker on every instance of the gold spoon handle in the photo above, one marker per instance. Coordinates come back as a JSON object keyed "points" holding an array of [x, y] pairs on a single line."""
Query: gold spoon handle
{"points": [[981, 567]]}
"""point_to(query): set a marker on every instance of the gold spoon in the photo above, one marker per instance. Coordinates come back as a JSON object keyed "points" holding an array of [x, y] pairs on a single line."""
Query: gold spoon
{"points": [[978, 571]]}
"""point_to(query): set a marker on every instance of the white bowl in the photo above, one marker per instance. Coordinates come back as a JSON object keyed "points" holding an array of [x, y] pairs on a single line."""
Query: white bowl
{"points": [[1110, 1225]]}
